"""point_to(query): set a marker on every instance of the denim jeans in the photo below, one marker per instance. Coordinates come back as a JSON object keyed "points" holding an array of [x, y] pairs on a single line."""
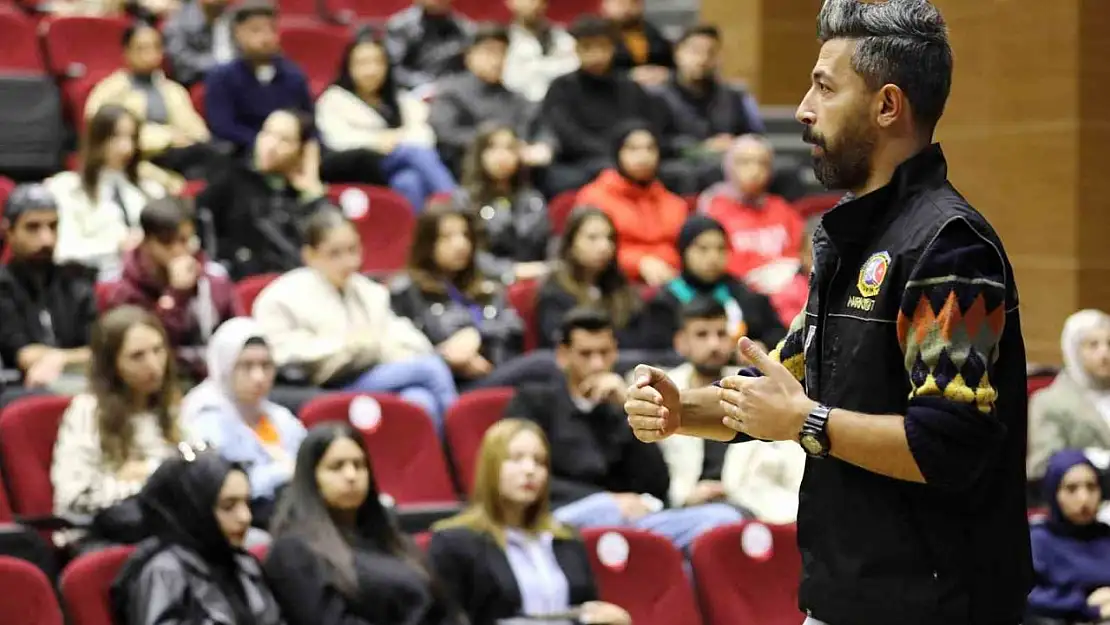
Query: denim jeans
{"points": [[680, 525], [426, 381], [417, 173]]}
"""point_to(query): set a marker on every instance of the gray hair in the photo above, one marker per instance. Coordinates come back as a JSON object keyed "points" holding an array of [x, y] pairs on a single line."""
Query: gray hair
{"points": [[900, 42]]}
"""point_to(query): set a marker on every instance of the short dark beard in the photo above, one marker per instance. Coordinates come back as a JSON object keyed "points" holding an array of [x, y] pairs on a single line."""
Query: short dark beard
{"points": [[707, 369], [846, 163]]}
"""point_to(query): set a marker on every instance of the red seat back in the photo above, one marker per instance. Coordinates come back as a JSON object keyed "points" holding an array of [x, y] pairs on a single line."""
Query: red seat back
{"points": [[422, 539], [384, 220], [375, 10], [248, 289], [466, 424], [81, 51], [260, 552], [196, 95], [19, 45], [648, 581], [816, 204], [522, 296], [104, 292], [1037, 382], [485, 10], [565, 11], [6, 514], [316, 48], [559, 208], [748, 573], [27, 597], [28, 428], [86, 582], [405, 451]]}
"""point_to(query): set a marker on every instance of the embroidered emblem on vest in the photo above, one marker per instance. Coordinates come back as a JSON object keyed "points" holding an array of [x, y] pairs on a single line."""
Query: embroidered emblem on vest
{"points": [[872, 273]]}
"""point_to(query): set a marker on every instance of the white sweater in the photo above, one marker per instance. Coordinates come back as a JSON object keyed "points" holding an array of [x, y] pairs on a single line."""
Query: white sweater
{"points": [[346, 122]]}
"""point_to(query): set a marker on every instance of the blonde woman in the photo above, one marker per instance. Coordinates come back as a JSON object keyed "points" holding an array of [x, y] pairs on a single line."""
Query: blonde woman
{"points": [[506, 556]]}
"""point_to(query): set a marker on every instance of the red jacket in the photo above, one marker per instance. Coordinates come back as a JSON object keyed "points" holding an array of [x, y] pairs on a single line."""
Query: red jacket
{"points": [[758, 234], [647, 219]]}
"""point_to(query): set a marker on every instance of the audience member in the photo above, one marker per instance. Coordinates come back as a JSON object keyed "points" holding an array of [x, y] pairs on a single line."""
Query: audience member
{"points": [[642, 49], [427, 42], [707, 114], [349, 338], [111, 439], [764, 230], [512, 213], [464, 314], [255, 210], [373, 133], [475, 96], [506, 556], [1071, 549], [1074, 411], [193, 568], [587, 275], [790, 299], [600, 474], [143, 9], [48, 309], [173, 134], [539, 51], [240, 95], [231, 411], [584, 108], [168, 276], [704, 250], [198, 38], [99, 205], [647, 216], [761, 478], [337, 557]]}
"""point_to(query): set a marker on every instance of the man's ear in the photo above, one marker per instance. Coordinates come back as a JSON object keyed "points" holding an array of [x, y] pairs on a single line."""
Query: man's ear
{"points": [[893, 106]]}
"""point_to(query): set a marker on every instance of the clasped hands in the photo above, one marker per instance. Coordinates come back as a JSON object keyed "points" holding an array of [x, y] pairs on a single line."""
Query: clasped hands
{"points": [[772, 407]]}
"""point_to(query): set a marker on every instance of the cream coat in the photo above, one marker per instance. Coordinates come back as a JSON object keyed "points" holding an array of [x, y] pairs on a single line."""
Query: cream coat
{"points": [[346, 122], [117, 88]]}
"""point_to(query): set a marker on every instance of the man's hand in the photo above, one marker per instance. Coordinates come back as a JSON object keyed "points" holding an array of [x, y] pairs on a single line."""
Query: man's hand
{"points": [[632, 506], [653, 405], [531, 270], [602, 613], [477, 367], [536, 154], [718, 143], [655, 271], [1100, 598], [461, 347], [704, 492], [183, 272], [306, 179], [604, 387], [132, 240], [46, 369], [772, 407]]}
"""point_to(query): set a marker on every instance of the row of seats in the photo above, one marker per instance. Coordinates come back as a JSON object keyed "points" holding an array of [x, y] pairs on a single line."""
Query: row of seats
{"points": [[744, 574]]}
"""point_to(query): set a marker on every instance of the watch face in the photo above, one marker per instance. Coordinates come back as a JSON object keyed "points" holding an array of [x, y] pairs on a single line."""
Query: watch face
{"points": [[811, 445]]}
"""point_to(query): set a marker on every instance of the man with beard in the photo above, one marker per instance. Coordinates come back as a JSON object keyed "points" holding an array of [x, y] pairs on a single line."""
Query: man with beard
{"points": [[47, 309], [904, 377]]}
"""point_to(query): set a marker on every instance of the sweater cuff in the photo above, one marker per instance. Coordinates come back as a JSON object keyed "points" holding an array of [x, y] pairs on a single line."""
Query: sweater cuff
{"points": [[953, 443]]}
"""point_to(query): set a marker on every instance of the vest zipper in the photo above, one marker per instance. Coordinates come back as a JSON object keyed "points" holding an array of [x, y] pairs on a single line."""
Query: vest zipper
{"points": [[822, 310]]}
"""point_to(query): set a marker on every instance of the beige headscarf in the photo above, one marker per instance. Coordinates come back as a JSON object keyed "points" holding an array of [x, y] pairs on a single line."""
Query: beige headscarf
{"points": [[1076, 328]]}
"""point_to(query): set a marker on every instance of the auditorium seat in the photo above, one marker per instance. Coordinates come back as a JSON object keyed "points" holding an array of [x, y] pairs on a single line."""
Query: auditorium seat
{"points": [[86, 584], [643, 573], [316, 48], [80, 51], [20, 541], [250, 287], [371, 10], [486, 10], [384, 220], [27, 596], [559, 209], [465, 425], [748, 573], [28, 428], [32, 134], [19, 45], [104, 292], [522, 296]]}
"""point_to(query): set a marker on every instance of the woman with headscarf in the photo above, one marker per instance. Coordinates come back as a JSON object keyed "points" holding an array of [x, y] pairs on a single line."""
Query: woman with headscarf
{"points": [[647, 216], [703, 246], [230, 411], [1071, 549], [193, 569], [1074, 411]]}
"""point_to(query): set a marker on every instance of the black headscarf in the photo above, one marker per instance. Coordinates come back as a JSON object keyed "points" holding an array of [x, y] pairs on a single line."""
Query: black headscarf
{"points": [[621, 135], [1058, 465], [695, 226]]}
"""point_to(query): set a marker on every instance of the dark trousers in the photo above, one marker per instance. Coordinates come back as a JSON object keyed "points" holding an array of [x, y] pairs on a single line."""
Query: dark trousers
{"points": [[199, 161]]}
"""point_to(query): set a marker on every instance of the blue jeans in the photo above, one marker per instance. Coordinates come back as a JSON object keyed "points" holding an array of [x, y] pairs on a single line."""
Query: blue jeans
{"points": [[417, 173], [680, 525], [426, 381]]}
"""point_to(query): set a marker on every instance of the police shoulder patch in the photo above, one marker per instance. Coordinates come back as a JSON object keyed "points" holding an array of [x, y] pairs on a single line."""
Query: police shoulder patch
{"points": [[872, 274]]}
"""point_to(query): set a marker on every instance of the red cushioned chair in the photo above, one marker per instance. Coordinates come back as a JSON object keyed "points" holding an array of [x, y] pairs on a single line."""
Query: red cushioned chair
{"points": [[651, 585], [316, 48], [196, 94], [372, 10], [565, 11], [740, 585], [104, 292], [81, 51], [466, 424], [559, 208], [405, 451], [28, 428], [422, 539], [384, 220], [19, 45], [1037, 382], [86, 582], [27, 597], [486, 10], [250, 287], [522, 296]]}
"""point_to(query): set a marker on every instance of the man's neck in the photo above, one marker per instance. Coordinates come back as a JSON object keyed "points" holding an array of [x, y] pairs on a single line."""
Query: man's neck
{"points": [[698, 86], [535, 26], [699, 380], [887, 159]]}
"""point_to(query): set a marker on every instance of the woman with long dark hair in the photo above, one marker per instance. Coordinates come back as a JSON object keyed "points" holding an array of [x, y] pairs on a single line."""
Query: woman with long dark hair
{"points": [[337, 556], [193, 569], [371, 130]]}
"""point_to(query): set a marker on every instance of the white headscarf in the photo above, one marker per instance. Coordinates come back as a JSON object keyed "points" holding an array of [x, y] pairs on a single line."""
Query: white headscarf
{"points": [[1075, 329], [223, 352]]}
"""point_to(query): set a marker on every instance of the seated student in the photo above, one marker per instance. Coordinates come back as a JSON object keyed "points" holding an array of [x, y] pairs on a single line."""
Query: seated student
{"points": [[506, 556], [193, 569], [47, 308], [111, 439], [427, 42], [1071, 550], [704, 250], [646, 215], [600, 474], [99, 205], [642, 49], [256, 209], [376, 134], [1074, 411], [464, 314], [173, 134], [512, 213], [168, 276], [761, 478], [230, 410], [587, 275], [539, 51], [337, 557], [198, 38], [349, 338]]}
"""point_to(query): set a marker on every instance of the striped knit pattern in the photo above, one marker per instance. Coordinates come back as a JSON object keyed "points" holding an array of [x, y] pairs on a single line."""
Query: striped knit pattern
{"points": [[791, 349], [949, 328]]}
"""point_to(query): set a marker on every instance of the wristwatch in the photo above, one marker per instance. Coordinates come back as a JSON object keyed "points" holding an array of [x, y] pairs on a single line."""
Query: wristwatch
{"points": [[814, 437]]}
